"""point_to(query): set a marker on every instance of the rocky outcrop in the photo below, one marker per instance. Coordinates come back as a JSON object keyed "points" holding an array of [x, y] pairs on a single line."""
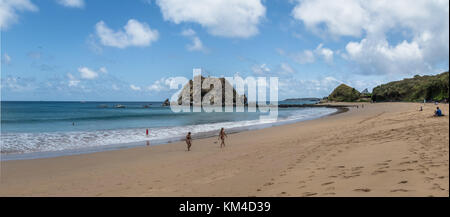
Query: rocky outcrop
{"points": [[166, 103], [188, 89]]}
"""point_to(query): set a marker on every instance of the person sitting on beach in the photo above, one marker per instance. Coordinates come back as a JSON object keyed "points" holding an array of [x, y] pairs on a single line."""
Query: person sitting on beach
{"points": [[421, 109], [188, 141], [222, 136], [438, 112]]}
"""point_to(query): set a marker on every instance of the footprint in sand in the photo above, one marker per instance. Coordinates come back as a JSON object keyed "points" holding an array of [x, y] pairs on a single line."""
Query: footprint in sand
{"points": [[437, 187], [357, 168], [268, 184], [378, 172], [308, 194], [403, 182], [327, 183], [329, 193], [362, 190], [399, 190]]}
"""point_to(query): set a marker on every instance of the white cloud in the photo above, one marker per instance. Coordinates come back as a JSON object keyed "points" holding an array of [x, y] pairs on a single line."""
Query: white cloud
{"points": [[6, 59], [18, 84], [261, 70], [9, 10], [306, 56], [71, 3], [73, 82], [162, 84], [135, 88], [310, 56], [136, 34], [342, 17], [326, 53], [422, 24], [281, 70], [87, 73], [227, 18], [196, 44], [103, 70]]}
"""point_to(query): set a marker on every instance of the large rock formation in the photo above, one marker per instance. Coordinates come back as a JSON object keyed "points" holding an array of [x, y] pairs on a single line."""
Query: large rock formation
{"points": [[204, 91], [344, 93]]}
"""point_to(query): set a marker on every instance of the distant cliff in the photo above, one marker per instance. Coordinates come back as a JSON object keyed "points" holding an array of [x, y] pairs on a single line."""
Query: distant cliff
{"points": [[415, 89], [344, 93]]}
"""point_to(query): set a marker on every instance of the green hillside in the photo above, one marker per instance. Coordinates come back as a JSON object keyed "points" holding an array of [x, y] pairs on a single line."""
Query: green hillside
{"points": [[414, 89], [344, 93]]}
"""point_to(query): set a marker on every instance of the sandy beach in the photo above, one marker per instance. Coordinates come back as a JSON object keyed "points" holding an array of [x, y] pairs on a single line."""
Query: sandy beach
{"points": [[383, 149]]}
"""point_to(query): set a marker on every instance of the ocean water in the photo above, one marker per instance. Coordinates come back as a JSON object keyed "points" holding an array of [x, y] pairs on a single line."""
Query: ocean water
{"points": [[34, 127]]}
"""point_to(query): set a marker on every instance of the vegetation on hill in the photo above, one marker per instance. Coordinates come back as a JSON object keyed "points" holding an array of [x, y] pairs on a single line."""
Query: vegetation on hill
{"points": [[415, 89], [344, 93]]}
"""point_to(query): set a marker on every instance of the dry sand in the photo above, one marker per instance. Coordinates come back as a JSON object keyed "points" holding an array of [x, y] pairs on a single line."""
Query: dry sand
{"points": [[385, 149]]}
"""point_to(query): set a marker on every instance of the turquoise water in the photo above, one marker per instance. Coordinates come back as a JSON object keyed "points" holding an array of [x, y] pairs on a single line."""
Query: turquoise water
{"points": [[28, 127]]}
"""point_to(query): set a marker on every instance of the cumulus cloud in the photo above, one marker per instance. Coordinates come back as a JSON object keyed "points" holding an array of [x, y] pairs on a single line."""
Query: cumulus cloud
{"points": [[196, 44], [136, 34], [310, 56], [325, 53], [227, 18], [9, 10], [163, 84], [87, 73], [342, 17], [134, 87], [423, 25], [71, 3]]}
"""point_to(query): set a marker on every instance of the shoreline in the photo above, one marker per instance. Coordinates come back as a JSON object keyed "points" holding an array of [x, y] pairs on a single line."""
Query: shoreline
{"points": [[120, 146], [385, 149]]}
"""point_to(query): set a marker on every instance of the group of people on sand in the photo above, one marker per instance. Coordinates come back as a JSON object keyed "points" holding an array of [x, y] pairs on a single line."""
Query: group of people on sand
{"points": [[222, 136]]}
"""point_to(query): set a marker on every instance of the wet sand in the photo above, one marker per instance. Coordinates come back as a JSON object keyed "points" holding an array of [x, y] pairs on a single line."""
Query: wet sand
{"points": [[384, 149]]}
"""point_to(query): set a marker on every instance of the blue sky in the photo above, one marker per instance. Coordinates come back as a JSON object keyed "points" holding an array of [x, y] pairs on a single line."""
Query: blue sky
{"points": [[109, 50]]}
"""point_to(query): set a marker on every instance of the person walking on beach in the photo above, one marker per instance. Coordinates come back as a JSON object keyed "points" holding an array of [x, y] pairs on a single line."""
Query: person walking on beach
{"points": [[188, 141], [222, 136]]}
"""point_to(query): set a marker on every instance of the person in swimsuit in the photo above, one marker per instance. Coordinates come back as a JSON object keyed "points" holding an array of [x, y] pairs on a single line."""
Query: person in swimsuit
{"points": [[222, 136], [188, 141]]}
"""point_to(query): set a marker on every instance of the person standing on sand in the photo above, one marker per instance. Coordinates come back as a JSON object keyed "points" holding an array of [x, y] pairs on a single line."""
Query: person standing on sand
{"points": [[188, 141], [222, 136]]}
